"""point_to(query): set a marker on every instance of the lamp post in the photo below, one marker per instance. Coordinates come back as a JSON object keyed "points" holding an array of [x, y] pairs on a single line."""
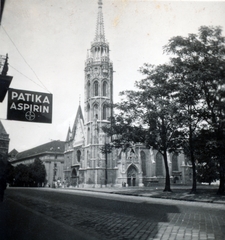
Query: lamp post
{"points": [[107, 148]]}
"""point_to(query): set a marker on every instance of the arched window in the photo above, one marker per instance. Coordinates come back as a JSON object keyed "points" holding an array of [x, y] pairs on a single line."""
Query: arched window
{"points": [[78, 155], [143, 163], [104, 112], [175, 162], [95, 111], [104, 89], [88, 136], [88, 112], [88, 90], [96, 88], [159, 165]]}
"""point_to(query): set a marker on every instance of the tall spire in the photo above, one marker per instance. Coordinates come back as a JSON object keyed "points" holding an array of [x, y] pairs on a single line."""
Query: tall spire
{"points": [[100, 34]]}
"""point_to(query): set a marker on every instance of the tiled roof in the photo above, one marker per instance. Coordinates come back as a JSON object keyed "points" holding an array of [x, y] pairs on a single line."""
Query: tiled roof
{"points": [[50, 147]]}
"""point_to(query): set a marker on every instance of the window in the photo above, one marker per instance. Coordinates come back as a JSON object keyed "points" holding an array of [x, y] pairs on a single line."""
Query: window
{"points": [[104, 90], [159, 165], [88, 90], [88, 136], [88, 112], [175, 162], [95, 111], [78, 155], [143, 163], [96, 89], [104, 115]]}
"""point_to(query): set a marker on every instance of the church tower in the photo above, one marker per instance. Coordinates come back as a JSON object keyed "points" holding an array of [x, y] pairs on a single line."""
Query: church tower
{"points": [[98, 98]]}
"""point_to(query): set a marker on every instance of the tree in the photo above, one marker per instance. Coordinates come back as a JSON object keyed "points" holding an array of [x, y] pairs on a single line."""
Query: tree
{"points": [[38, 172], [22, 175], [150, 114], [200, 60], [207, 167]]}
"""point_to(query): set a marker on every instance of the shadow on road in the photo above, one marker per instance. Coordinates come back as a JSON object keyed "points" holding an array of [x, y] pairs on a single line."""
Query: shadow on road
{"points": [[87, 216]]}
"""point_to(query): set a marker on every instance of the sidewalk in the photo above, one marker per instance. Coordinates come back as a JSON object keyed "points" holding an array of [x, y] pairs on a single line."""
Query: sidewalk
{"points": [[206, 194]]}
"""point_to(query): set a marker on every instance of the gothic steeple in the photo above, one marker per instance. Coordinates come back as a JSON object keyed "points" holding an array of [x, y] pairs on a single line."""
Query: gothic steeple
{"points": [[99, 34], [98, 97], [98, 84]]}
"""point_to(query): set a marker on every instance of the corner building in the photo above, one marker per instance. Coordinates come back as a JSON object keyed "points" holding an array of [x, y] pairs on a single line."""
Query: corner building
{"points": [[85, 164]]}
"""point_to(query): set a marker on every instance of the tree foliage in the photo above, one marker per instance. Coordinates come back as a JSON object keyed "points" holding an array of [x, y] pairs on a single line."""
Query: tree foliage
{"points": [[32, 175], [199, 62], [176, 102], [150, 114], [38, 172]]}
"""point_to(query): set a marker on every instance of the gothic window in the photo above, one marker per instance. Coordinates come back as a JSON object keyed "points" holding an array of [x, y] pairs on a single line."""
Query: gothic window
{"points": [[159, 165], [78, 155], [88, 112], [175, 162], [88, 90], [104, 90], [104, 111], [95, 111], [143, 163], [88, 136], [96, 89]]}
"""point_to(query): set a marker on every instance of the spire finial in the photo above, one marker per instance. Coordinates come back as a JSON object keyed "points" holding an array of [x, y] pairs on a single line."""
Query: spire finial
{"points": [[100, 35], [100, 3]]}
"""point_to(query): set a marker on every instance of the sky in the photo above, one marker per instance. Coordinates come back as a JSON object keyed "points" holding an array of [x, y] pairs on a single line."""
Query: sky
{"points": [[47, 42]]}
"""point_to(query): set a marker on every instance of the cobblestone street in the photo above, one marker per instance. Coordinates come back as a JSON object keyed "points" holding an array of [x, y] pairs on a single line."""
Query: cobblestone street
{"points": [[127, 219]]}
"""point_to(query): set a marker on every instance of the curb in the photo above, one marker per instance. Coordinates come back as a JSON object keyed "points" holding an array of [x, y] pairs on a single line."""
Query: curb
{"points": [[152, 196]]}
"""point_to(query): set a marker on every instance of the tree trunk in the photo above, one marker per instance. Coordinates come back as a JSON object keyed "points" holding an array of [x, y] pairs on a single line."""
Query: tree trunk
{"points": [[167, 183], [194, 177], [222, 179], [194, 181]]}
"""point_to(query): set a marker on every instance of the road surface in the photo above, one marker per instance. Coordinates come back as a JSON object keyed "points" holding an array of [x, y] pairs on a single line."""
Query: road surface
{"points": [[41, 213]]}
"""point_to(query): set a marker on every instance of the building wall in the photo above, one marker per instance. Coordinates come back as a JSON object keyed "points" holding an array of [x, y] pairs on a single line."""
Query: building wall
{"points": [[4, 148]]}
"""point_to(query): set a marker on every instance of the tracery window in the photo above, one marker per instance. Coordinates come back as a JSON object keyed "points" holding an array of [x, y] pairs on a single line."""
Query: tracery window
{"points": [[175, 162], [88, 112], [96, 89], [88, 90], [104, 111], [104, 90], [78, 155], [159, 164], [143, 162]]}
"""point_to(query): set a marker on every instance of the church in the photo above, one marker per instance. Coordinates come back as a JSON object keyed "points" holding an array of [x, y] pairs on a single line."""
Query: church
{"points": [[85, 163]]}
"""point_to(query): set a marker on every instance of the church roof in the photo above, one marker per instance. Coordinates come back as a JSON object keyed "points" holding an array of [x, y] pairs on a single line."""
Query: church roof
{"points": [[2, 129], [68, 134], [78, 116], [47, 148]]}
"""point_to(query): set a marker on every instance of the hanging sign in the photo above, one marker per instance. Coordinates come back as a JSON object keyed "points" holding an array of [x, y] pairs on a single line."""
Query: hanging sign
{"points": [[29, 106]]}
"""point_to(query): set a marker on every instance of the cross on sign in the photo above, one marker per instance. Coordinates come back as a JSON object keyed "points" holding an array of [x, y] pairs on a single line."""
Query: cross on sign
{"points": [[30, 116]]}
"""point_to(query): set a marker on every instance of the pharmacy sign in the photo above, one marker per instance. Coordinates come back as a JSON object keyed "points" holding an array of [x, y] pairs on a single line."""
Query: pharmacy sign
{"points": [[29, 106]]}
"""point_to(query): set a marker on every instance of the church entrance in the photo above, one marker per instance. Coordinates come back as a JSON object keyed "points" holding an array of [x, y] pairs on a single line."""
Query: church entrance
{"points": [[132, 176], [74, 178]]}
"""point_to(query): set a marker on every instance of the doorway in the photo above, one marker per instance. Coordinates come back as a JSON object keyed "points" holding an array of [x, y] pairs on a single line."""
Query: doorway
{"points": [[132, 176]]}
